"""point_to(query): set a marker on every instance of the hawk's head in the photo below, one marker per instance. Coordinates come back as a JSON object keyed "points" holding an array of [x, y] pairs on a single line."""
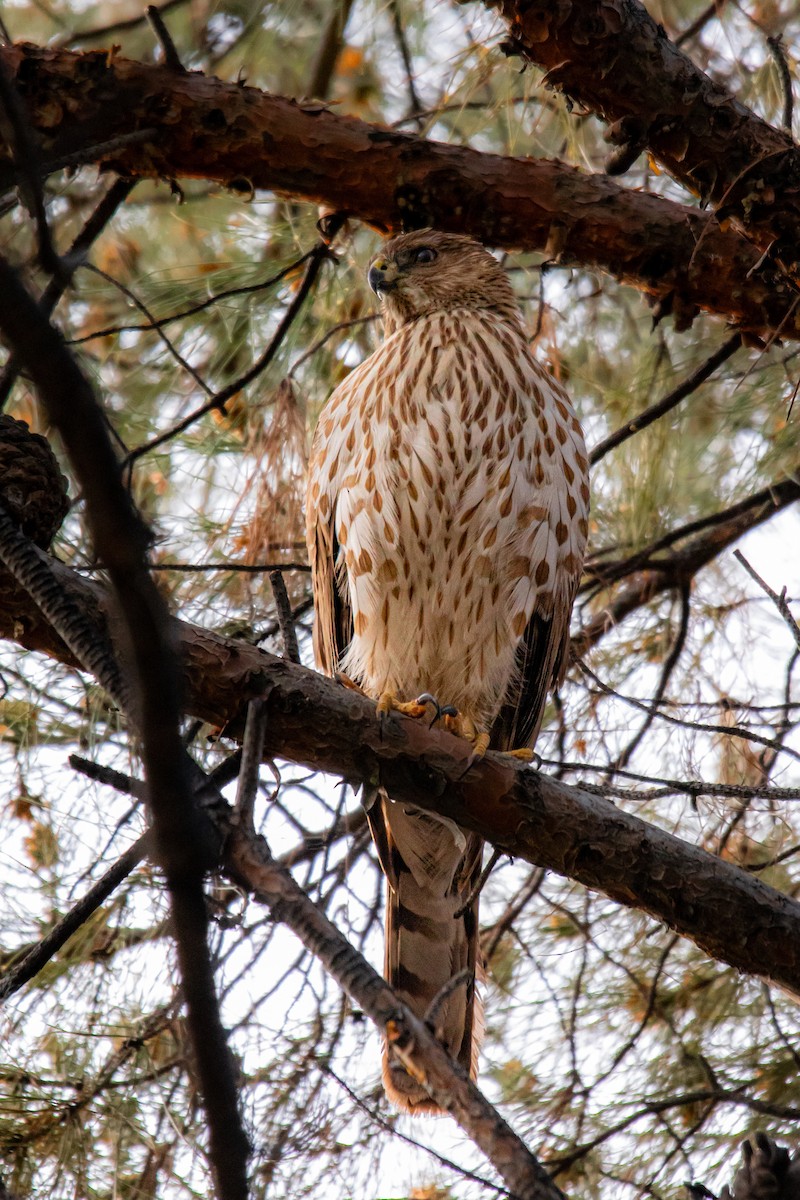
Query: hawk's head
{"points": [[427, 271]]}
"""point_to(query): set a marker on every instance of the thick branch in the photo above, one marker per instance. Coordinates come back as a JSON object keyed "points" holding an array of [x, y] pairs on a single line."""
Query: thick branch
{"points": [[244, 138], [615, 59], [311, 720]]}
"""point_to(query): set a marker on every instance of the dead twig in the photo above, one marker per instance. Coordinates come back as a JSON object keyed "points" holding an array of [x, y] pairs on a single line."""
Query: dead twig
{"points": [[158, 25], [779, 601], [285, 616]]}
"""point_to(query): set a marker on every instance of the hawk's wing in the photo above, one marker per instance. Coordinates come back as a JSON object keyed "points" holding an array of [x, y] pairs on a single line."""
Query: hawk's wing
{"points": [[541, 661], [333, 625], [542, 654]]}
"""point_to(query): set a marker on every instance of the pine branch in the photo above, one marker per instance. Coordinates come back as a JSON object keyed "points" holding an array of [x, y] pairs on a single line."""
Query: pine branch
{"points": [[150, 691], [672, 252], [655, 411], [650, 576], [313, 721], [57, 937], [616, 60]]}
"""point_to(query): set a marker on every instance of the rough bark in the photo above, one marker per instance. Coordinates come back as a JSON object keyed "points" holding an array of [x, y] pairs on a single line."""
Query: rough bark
{"points": [[612, 57], [243, 138], [729, 914]]}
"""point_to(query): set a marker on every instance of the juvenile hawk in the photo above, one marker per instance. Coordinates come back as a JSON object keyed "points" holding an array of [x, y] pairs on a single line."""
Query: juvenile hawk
{"points": [[447, 516]]}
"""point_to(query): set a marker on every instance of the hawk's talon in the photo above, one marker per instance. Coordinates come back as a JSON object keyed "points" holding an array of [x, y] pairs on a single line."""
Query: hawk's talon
{"points": [[445, 715], [409, 708], [522, 754]]}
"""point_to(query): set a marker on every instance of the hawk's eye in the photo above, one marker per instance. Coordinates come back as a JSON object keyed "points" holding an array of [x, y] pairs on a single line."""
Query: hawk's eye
{"points": [[425, 254]]}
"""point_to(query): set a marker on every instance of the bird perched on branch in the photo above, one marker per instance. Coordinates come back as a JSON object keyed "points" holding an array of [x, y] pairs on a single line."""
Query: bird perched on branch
{"points": [[447, 512]]}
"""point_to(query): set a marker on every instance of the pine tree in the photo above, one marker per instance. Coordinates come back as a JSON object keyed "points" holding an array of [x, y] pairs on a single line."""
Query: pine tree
{"points": [[192, 201]]}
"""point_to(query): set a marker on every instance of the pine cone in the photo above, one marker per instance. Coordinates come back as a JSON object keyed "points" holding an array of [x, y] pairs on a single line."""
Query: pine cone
{"points": [[768, 1173], [32, 488]]}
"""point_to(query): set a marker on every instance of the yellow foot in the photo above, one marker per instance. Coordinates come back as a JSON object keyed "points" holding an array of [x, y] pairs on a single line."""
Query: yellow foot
{"points": [[464, 727], [479, 746], [409, 708]]}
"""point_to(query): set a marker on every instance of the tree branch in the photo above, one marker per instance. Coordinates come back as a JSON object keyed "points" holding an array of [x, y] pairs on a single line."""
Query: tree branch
{"points": [[319, 724], [53, 941], [650, 576], [249, 861], [616, 60], [244, 138], [150, 689], [666, 405]]}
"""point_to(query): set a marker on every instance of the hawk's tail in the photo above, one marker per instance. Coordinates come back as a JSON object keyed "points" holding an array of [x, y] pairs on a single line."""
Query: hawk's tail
{"points": [[432, 961]]}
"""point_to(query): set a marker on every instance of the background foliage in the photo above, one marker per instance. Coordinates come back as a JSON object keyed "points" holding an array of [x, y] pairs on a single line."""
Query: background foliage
{"points": [[626, 1059]]}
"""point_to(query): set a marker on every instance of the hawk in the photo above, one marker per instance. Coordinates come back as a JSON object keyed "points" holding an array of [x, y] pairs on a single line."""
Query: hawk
{"points": [[447, 516]]}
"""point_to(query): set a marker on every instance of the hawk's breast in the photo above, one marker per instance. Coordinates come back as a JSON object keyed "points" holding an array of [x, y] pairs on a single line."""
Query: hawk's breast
{"points": [[457, 474]]}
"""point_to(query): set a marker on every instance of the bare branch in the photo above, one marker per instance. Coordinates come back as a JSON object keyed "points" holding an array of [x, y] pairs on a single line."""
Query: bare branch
{"points": [[285, 617], [252, 750], [246, 568], [778, 52], [314, 259], [652, 576], [249, 861], [670, 662], [16, 130], [114, 197], [714, 9], [114, 27], [159, 26], [328, 50], [660, 409], [154, 705], [62, 931], [780, 602]]}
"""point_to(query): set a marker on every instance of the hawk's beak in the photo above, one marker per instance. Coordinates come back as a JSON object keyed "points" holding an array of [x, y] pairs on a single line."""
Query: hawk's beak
{"points": [[382, 276]]}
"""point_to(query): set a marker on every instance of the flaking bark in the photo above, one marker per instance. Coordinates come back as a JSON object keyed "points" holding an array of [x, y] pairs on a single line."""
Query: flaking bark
{"points": [[245, 139], [615, 59]]}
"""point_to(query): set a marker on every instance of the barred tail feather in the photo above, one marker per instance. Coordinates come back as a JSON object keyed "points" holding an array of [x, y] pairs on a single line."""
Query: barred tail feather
{"points": [[427, 946]]}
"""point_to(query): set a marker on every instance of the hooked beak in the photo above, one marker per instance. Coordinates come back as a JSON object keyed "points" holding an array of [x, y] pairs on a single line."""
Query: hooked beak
{"points": [[382, 276]]}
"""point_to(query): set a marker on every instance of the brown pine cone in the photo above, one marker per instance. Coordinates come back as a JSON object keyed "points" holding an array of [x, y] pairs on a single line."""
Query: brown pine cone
{"points": [[32, 488]]}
